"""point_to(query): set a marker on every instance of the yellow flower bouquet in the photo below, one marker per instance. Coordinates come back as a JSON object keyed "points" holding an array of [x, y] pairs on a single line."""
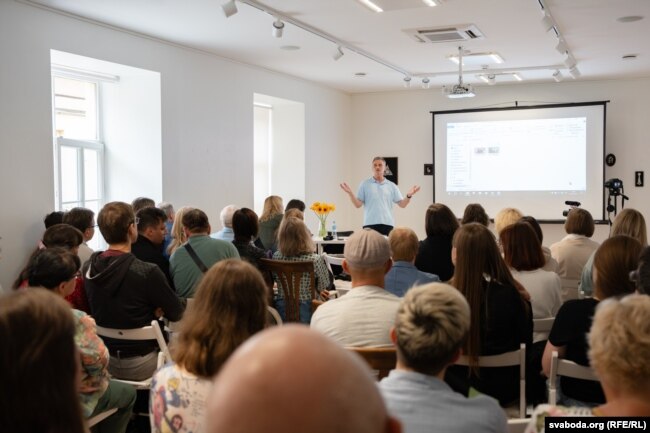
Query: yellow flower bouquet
{"points": [[322, 210]]}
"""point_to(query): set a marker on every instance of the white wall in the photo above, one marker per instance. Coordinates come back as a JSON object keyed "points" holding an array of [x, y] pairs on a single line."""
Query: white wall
{"points": [[399, 124], [207, 122]]}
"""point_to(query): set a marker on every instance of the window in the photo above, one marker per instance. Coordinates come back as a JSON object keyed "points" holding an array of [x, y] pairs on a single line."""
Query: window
{"points": [[78, 148]]}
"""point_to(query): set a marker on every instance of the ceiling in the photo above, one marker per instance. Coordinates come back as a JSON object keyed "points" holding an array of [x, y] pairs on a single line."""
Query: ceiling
{"points": [[511, 28]]}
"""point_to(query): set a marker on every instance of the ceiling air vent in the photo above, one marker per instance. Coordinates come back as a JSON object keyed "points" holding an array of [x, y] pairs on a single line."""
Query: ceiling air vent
{"points": [[446, 34]]}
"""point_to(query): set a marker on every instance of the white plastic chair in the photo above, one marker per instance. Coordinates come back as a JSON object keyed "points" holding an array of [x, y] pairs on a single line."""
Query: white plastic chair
{"points": [[151, 332], [508, 359], [543, 325], [518, 425], [564, 367], [100, 417]]}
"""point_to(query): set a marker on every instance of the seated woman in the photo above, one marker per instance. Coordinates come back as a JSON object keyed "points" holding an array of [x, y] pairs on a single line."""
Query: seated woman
{"points": [[178, 233], [246, 227], [619, 349], [505, 217], [629, 222], [522, 252], [270, 221], [295, 244], [229, 306], [56, 269], [500, 315], [551, 263], [613, 262], [39, 365], [475, 213], [434, 253], [573, 251]]}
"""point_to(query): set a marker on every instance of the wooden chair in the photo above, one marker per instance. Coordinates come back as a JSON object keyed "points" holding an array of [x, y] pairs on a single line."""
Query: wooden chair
{"points": [[543, 325], [288, 275], [564, 367], [381, 359], [151, 332], [508, 359]]}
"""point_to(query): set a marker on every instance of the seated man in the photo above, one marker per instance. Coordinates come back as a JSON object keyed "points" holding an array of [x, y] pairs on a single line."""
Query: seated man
{"points": [[365, 315], [403, 275], [431, 325], [190, 261], [151, 236], [298, 397], [83, 220], [226, 233], [125, 292]]}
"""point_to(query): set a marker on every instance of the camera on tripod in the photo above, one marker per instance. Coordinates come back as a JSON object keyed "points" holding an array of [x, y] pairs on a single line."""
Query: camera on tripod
{"points": [[573, 204], [614, 185]]}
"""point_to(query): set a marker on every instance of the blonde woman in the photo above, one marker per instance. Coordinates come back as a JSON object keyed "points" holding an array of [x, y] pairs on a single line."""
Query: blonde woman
{"points": [[629, 222], [270, 221], [506, 217], [295, 244], [178, 234]]}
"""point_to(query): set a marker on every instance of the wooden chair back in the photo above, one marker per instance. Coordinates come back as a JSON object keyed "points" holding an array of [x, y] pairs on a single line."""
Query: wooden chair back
{"points": [[508, 359], [381, 359], [287, 275]]}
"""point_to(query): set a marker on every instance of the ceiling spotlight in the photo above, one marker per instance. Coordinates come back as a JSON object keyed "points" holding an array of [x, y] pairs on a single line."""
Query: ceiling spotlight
{"points": [[561, 47], [407, 82], [557, 76], [570, 61], [229, 8], [547, 22], [278, 27], [574, 72], [426, 83], [338, 53]]}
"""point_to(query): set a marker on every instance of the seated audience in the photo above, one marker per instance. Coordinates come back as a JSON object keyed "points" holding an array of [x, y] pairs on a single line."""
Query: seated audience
{"points": [[550, 263], [294, 203], [125, 292], [434, 253], [84, 220], [39, 364], [226, 233], [641, 276], [229, 307], [505, 217], [178, 233], [56, 269], [52, 218], [270, 222], [246, 227], [151, 236], [431, 326], [141, 203], [619, 349], [573, 251], [614, 260], [294, 213], [193, 259], [168, 208], [522, 252], [365, 315], [295, 245], [404, 275], [629, 222], [475, 213], [501, 318], [304, 397]]}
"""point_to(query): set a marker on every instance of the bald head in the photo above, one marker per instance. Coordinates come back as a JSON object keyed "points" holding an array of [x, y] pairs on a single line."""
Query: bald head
{"points": [[291, 379]]}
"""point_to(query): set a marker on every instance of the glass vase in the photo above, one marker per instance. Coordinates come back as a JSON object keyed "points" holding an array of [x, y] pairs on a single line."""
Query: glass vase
{"points": [[322, 229]]}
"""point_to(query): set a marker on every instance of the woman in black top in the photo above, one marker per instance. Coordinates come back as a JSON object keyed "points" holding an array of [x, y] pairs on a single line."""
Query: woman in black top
{"points": [[613, 262], [501, 316], [434, 253]]}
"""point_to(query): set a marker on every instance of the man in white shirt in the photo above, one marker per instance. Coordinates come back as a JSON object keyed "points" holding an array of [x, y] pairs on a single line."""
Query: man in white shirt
{"points": [[365, 315]]}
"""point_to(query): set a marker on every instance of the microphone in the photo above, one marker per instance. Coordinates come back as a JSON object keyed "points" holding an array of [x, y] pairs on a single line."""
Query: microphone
{"points": [[572, 203]]}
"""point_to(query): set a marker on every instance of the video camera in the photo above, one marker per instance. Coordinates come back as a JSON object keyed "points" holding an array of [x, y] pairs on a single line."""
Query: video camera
{"points": [[573, 204], [614, 185]]}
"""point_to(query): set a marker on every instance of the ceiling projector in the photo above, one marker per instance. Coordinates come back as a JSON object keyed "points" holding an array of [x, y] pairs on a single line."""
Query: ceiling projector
{"points": [[458, 91]]}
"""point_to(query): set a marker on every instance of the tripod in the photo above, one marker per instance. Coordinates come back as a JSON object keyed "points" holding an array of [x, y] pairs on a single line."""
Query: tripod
{"points": [[615, 193]]}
